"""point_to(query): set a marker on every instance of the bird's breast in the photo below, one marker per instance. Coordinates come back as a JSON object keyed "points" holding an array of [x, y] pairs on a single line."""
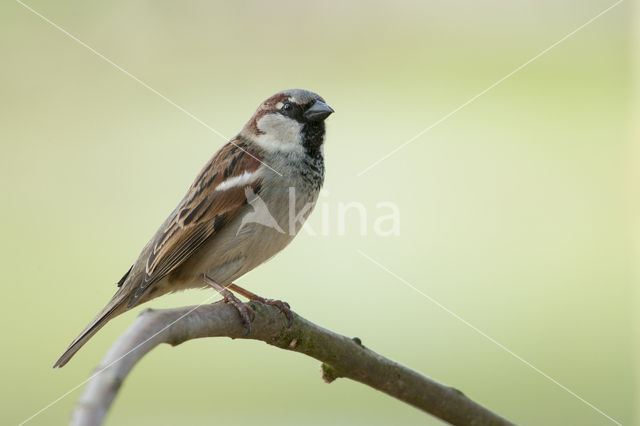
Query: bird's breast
{"points": [[263, 227]]}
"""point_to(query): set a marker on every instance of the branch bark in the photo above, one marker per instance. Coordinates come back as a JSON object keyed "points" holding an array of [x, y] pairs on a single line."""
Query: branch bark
{"points": [[340, 355]]}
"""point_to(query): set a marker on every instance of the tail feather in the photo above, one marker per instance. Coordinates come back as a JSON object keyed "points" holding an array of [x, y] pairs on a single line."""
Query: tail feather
{"points": [[114, 308]]}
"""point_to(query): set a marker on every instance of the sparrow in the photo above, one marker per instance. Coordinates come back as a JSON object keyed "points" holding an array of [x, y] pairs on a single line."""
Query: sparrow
{"points": [[273, 167]]}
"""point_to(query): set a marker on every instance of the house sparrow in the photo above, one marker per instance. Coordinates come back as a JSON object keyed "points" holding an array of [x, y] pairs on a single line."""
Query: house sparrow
{"points": [[205, 241]]}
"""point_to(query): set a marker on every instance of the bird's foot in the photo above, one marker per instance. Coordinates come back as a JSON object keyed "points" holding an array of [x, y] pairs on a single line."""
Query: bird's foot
{"points": [[282, 306], [245, 311]]}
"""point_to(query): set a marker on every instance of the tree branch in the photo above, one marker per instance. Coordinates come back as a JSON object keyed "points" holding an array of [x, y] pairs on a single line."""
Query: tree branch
{"points": [[340, 355]]}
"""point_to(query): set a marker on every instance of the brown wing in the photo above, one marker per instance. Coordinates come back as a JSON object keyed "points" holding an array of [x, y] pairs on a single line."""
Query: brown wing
{"points": [[202, 212]]}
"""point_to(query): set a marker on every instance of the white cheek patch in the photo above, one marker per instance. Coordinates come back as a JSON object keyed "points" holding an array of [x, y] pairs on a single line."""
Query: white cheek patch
{"points": [[280, 133], [243, 180]]}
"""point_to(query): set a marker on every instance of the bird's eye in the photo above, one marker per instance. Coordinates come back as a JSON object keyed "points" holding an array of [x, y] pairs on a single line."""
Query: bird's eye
{"points": [[287, 107]]}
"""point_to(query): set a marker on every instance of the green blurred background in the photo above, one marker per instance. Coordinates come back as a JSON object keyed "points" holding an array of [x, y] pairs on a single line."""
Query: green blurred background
{"points": [[516, 212]]}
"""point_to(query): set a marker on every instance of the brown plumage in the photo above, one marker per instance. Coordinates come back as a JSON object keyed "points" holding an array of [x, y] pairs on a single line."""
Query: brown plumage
{"points": [[204, 235], [195, 219]]}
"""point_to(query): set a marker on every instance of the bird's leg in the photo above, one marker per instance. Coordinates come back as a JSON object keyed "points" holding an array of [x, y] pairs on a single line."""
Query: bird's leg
{"points": [[283, 306], [246, 313]]}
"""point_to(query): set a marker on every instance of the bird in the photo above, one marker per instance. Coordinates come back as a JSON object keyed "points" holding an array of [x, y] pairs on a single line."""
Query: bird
{"points": [[217, 232]]}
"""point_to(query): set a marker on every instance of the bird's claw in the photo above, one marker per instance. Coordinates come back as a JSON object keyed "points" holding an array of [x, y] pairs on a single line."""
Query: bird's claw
{"points": [[284, 308], [245, 311]]}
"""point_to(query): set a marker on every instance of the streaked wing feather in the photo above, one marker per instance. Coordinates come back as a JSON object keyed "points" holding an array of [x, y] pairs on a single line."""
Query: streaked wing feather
{"points": [[201, 213]]}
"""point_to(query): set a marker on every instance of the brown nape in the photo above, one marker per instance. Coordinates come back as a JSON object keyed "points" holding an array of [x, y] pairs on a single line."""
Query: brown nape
{"points": [[266, 107]]}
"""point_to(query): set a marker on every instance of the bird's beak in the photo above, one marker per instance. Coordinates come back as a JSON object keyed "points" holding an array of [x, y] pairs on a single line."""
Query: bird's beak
{"points": [[318, 111]]}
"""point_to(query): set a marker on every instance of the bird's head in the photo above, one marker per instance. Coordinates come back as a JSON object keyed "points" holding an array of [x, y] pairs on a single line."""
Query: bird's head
{"points": [[289, 121]]}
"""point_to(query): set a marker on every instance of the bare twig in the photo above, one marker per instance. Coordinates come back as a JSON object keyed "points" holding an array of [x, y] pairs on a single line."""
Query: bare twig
{"points": [[340, 355]]}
